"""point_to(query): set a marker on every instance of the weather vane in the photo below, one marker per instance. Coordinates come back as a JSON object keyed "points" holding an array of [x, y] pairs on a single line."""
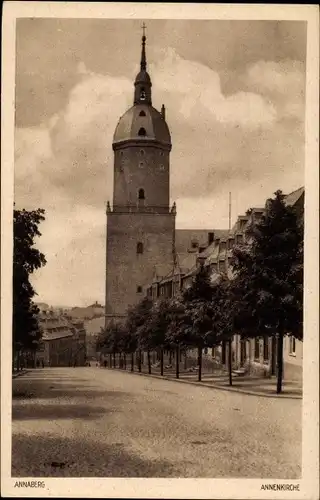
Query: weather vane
{"points": [[143, 28]]}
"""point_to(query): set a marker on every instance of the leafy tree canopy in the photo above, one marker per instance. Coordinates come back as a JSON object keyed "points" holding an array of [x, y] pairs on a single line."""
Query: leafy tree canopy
{"points": [[26, 259], [268, 267]]}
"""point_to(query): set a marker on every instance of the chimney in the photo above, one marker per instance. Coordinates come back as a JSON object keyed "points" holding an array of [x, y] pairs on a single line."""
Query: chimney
{"points": [[163, 112], [210, 238]]}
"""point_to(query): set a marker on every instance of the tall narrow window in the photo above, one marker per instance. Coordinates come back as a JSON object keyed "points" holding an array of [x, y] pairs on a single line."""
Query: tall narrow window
{"points": [[266, 348], [139, 289], [292, 345], [139, 247], [256, 348], [142, 132], [141, 194]]}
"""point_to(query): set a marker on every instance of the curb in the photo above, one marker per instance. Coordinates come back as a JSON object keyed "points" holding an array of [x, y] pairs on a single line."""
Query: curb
{"points": [[19, 374], [210, 386]]}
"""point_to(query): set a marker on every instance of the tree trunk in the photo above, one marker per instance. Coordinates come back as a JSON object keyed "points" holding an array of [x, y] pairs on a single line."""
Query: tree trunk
{"points": [[161, 361], [149, 362], [273, 355], [114, 360], [230, 360], [279, 362], [170, 357], [177, 360], [185, 359], [18, 361], [132, 361], [199, 363], [139, 361], [110, 360], [125, 361]]}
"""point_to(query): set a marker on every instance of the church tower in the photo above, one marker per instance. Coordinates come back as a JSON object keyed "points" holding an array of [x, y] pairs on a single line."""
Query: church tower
{"points": [[140, 223]]}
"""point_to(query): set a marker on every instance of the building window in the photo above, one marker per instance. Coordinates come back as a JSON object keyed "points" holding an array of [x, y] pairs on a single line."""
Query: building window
{"points": [[139, 247], [121, 153], [230, 243], [141, 164], [161, 167], [139, 289], [142, 132], [142, 113], [292, 346], [239, 239], [210, 238], [256, 348], [194, 244], [141, 152], [161, 153], [266, 348], [141, 194]]}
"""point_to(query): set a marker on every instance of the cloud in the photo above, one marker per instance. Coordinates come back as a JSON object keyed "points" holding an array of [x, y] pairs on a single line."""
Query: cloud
{"points": [[250, 142], [284, 82], [198, 86]]}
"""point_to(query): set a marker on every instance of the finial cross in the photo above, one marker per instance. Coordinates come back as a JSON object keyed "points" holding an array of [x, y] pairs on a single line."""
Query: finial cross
{"points": [[143, 28]]}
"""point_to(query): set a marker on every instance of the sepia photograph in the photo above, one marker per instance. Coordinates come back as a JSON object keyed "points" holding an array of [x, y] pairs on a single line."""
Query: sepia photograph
{"points": [[158, 233]]}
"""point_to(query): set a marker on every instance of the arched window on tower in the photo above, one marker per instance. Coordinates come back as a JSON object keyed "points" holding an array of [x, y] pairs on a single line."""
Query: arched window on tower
{"points": [[142, 95], [141, 195], [139, 247], [142, 132], [142, 113]]}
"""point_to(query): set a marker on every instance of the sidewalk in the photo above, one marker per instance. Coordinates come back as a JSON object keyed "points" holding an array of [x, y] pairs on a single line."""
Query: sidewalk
{"points": [[16, 374], [253, 386]]}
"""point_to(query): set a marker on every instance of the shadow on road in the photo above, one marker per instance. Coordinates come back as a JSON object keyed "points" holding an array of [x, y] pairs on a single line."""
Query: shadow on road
{"points": [[59, 411], [39, 388], [65, 457]]}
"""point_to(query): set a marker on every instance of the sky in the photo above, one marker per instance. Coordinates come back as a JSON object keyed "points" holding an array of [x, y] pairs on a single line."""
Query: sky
{"points": [[234, 93]]}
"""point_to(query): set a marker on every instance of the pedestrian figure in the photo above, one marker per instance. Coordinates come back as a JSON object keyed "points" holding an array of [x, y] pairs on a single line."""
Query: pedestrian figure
{"points": [[42, 364], [38, 363], [105, 363]]}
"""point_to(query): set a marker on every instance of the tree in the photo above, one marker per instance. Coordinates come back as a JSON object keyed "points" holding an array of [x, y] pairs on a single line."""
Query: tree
{"points": [[110, 339], [154, 331], [268, 283], [136, 317], [26, 333], [196, 321], [177, 334], [222, 316]]}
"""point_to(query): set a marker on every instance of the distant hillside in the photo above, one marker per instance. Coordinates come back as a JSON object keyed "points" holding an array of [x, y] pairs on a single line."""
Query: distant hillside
{"points": [[85, 313]]}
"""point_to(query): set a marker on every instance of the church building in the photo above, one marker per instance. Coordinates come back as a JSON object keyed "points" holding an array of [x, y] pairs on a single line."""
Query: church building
{"points": [[142, 241]]}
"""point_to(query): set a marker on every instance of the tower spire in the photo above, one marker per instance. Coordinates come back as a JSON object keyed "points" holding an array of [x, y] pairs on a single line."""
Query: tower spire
{"points": [[142, 92], [143, 63]]}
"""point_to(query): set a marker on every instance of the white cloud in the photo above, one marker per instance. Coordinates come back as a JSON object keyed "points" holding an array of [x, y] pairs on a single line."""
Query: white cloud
{"points": [[198, 86], [283, 81]]}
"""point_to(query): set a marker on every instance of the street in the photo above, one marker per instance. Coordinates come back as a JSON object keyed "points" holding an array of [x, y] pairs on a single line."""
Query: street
{"points": [[95, 422]]}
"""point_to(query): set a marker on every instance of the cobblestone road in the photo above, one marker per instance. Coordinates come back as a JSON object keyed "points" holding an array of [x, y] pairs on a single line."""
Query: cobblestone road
{"points": [[93, 422]]}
